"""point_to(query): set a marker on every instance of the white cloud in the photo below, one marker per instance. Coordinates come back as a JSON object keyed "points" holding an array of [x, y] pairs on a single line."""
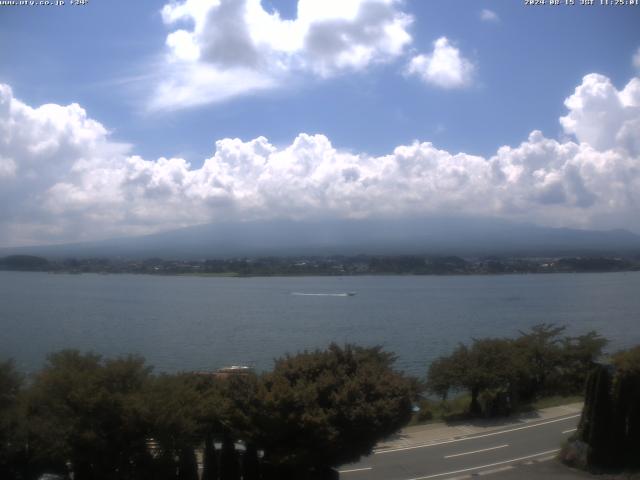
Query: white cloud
{"points": [[487, 15], [225, 48], [635, 60], [63, 179], [444, 67], [604, 117], [195, 84]]}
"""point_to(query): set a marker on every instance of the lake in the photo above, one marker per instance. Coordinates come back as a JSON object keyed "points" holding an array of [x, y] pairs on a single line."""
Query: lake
{"points": [[201, 323]]}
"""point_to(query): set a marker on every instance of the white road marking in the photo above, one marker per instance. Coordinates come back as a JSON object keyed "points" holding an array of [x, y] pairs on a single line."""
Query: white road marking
{"points": [[485, 466], [355, 470], [476, 451], [425, 445], [570, 430], [545, 459], [496, 470]]}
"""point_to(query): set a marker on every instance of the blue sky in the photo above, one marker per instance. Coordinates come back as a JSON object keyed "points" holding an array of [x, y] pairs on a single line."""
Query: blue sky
{"points": [[515, 67]]}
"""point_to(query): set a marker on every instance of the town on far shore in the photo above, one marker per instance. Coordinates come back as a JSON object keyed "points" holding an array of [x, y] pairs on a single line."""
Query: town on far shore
{"points": [[327, 265]]}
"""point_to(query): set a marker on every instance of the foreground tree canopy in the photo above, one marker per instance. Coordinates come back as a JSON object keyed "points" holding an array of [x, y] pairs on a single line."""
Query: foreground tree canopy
{"points": [[331, 407], [113, 419], [109, 419]]}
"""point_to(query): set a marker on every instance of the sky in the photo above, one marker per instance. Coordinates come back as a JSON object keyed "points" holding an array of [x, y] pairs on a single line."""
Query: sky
{"points": [[124, 118]]}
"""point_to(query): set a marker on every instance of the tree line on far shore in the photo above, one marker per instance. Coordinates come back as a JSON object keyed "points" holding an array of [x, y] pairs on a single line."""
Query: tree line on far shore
{"points": [[108, 419]]}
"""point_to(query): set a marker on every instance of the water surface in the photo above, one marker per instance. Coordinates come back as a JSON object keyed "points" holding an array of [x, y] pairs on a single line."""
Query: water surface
{"points": [[196, 323]]}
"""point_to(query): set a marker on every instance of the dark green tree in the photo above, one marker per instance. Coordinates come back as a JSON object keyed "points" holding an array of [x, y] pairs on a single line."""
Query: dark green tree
{"points": [[173, 408], [488, 370], [503, 373], [493, 368], [446, 372], [86, 410], [210, 460], [165, 466], [187, 464], [11, 443], [250, 463], [325, 408], [541, 354], [229, 461], [578, 356], [626, 407], [595, 427]]}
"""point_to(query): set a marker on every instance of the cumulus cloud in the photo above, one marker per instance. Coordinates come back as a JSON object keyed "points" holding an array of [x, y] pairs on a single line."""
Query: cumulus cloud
{"points": [[487, 15], [604, 117], [444, 67], [62, 178], [224, 48]]}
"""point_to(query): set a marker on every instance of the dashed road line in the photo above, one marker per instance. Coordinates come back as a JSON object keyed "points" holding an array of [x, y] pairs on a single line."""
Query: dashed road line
{"points": [[353, 470], [496, 470], [504, 462], [476, 451]]}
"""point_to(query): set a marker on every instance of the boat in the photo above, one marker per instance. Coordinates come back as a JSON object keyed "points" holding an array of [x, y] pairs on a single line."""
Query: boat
{"points": [[235, 369], [227, 371]]}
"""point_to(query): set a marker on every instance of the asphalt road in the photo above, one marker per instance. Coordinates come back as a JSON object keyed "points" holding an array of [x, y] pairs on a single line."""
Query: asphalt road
{"points": [[474, 454]]}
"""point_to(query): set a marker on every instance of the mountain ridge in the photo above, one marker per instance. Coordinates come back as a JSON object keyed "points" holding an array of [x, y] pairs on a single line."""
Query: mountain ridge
{"points": [[432, 235]]}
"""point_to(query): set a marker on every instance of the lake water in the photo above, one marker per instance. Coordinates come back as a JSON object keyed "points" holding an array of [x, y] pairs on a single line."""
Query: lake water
{"points": [[199, 323]]}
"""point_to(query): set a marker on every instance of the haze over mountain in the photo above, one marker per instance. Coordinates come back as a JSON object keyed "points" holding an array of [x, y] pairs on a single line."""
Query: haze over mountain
{"points": [[434, 235]]}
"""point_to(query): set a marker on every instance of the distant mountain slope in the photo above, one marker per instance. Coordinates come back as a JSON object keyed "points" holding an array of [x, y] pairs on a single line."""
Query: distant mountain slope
{"points": [[459, 236]]}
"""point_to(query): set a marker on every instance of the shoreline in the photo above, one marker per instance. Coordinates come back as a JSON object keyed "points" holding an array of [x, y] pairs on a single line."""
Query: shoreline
{"points": [[326, 275]]}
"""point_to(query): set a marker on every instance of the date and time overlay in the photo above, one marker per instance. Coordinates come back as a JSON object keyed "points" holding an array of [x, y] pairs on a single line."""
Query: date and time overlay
{"points": [[526, 3]]}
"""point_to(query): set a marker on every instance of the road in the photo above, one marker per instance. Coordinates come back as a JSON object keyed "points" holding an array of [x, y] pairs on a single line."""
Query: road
{"points": [[464, 456]]}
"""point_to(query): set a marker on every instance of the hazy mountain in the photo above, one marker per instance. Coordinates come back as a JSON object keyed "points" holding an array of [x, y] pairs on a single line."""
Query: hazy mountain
{"points": [[459, 236]]}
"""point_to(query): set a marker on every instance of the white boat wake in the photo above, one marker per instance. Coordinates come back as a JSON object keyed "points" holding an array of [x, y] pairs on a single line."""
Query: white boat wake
{"points": [[347, 294]]}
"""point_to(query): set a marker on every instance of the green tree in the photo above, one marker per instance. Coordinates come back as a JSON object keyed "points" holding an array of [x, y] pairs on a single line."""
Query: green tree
{"points": [[239, 404], [10, 442], [324, 408], [86, 410], [250, 463], [595, 427], [610, 422], [229, 461], [578, 357], [446, 372], [626, 406], [541, 354], [488, 369], [187, 464], [173, 407], [502, 373], [492, 367], [209, 461]]}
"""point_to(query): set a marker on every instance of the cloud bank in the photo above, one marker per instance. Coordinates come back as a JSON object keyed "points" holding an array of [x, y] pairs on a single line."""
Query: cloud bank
{"points": [[220, 49], [62, 178]]}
